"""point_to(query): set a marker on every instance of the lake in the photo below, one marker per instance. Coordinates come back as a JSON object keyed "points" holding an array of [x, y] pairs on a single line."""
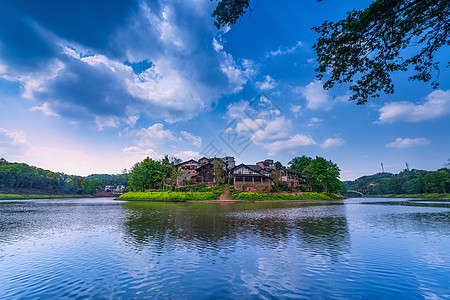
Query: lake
{"points": [[100, 248]]}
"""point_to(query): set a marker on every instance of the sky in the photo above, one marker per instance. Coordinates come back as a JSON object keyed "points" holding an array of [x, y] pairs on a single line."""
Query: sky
{"points": [[95, 86]]}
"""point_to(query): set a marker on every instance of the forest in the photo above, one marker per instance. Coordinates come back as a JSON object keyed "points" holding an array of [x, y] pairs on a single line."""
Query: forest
{"points": [[411, 182], [21, 178]]}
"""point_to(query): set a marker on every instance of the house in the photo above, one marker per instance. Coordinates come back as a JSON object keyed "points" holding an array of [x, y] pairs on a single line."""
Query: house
{"points": [[248, 177], [267, 164], [206, 173], [188, 170]]}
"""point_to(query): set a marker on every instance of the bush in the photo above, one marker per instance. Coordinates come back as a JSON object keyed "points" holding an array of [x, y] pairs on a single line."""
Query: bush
{"points": [[168, 196]]}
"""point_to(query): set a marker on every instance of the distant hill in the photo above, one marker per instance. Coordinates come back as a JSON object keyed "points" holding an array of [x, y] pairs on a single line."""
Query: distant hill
{"points": [[20, 178], [405, 182]]}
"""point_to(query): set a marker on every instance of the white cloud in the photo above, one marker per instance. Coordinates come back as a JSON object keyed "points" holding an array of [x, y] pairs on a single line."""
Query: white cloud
{"points": [[296, 110], [12, 137], [135, 154], [436, 105], [46, 110], [188, 69], [194, 140], [408, 142], [268, 83], [332, 143], [152, 136], [187, 155], [283, 50], [293, 143], [313, 121], [317, 97]]}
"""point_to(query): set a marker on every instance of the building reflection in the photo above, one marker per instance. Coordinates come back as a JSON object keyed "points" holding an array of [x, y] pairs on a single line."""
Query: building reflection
{"points": [[313, 227]]}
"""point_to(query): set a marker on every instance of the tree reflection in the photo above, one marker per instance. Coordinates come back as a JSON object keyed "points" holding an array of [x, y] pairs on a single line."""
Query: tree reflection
{"points": [[314, 227]]}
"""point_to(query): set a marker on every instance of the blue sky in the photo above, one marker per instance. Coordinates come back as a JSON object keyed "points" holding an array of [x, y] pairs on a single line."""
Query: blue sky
{"points": [[95, 86]]}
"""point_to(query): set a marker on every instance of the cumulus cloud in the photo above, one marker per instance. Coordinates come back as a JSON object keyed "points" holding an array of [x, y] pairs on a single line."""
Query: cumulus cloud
{"points": [[332, 143], [408, 142], [187, 155], [268, 83], [293, 143], [152, 136], [146, 61], [317, 97], [436, 105], [190, 138]]}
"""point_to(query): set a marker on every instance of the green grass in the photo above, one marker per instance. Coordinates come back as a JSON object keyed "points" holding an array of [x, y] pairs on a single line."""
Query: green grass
{"points": [[262, 197], [16, 196], [169, 196]]}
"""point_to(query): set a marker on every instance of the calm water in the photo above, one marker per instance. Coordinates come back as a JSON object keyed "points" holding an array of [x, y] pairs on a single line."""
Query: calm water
{"points": [[104, 249]]}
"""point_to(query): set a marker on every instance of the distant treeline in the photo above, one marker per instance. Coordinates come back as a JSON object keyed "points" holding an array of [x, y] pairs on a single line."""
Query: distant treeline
{"points": [[22, 178], [406, 182]]}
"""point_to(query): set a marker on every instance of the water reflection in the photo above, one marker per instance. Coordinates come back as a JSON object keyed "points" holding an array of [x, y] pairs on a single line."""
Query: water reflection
{"points": [[319, 228]]}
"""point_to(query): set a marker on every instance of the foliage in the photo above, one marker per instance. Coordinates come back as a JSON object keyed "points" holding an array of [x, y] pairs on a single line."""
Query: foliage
{"points": [[322, 175], [168, 196], [31, 196], [410, 182], [219, 172], [108, 179], [228, 12], [278, 165], [276, 176], [145, 174], [270, 197], [22, 178], [367, 46], [198, 188]]}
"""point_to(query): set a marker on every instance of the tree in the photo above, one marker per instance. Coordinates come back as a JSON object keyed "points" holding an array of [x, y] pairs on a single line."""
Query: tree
{"points": [[279, 165], [298, 164], [369, 45], [321, 174], [145, 174], [276, 176], [219, 171], [169, 169], [228, 12]]}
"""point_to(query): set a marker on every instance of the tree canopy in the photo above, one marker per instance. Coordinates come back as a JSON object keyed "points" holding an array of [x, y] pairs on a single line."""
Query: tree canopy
{"points": [[367, 46], [322, 175]]}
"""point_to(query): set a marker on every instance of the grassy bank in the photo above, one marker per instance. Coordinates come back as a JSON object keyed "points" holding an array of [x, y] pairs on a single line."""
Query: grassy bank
{"points": [[270, 197], [432, 195], [169, 196], [16, 196]]}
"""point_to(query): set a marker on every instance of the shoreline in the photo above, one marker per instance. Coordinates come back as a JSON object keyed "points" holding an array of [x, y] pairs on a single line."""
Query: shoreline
{"points": [[227, 201]]}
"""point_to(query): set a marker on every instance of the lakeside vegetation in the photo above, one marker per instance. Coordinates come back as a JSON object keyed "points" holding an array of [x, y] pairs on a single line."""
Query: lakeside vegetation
{"points": [[271, 197], [17, 197], [169, 196]]}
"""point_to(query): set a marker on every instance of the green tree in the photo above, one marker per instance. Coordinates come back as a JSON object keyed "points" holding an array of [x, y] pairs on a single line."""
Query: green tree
{"points": [[325, 174], [279, 165], [219, 171], [369, 45], [435, 182], [298, 164], [145, 174], [276, 176]]}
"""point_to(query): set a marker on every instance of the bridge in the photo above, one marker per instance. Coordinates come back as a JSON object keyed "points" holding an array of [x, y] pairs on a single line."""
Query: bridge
{"points": [[361, 192]]}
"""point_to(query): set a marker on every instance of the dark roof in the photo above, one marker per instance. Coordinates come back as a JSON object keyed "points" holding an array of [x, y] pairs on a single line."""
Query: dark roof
{"points": [[185, 162], [254, 168], [203, 158]]}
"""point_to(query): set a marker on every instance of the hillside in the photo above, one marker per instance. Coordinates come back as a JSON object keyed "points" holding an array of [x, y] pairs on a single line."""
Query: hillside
{"points": [[405, 182]]}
